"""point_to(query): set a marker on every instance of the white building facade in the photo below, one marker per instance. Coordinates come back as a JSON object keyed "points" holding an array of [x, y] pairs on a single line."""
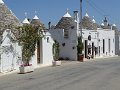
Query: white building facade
{"points": [[98, 42], [10, 49], [10, 53], [65, 32]]}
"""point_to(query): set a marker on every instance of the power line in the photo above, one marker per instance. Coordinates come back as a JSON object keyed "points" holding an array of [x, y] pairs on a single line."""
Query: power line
{"points": [[94, 6], [102, 12]]}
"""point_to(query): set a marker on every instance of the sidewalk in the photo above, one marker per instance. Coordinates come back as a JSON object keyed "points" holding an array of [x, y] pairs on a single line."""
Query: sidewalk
{"points": [[101, 58], [86, 60]]}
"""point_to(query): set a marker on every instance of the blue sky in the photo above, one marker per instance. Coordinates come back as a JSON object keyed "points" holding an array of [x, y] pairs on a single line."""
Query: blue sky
{"points": [[53, 10]]}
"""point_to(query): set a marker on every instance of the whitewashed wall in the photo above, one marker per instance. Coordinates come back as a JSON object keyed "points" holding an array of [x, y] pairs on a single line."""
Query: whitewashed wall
{"points": [[10, 53], [70, 49], [97, 37], [47, 56], [107, 34], [117, 44]]}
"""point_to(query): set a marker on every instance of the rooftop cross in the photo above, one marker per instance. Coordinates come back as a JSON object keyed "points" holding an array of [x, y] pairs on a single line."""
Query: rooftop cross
{"points": [[86, 13], [25, 21], [35, 17], [67, 10], [67, 14]]}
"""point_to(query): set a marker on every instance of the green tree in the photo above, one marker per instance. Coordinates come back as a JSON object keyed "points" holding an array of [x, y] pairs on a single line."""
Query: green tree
{"points": [[28, 39], [55, 50], [80, 45]]}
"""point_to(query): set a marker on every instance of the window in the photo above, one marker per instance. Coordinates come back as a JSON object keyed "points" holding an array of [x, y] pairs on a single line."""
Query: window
{"points": [[109, 45], [47, 39], [66, 33], [103, 45]]}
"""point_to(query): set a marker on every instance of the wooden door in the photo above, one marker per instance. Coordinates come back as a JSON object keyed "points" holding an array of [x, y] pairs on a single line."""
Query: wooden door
{"points": [[38, 52]]}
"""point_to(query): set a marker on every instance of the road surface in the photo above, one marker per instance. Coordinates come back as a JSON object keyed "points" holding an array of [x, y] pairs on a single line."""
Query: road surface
{"points": [[100, 74]]}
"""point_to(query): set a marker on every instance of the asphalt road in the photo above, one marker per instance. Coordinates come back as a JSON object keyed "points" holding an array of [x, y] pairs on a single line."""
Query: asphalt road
{"points": [[101, 74]]}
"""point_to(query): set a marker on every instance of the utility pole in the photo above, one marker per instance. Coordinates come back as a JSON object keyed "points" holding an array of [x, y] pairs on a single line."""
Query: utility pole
{"points": [[81, 18]]}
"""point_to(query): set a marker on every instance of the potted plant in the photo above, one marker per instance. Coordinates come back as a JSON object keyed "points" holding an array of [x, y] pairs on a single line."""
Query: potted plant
{"points": [[56, 61], [28, 40], [80, 48]]}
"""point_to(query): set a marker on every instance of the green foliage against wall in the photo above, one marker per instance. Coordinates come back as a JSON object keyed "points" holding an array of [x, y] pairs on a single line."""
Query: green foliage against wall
{"points": [[28, 40], [80, 45], [55, 50]]}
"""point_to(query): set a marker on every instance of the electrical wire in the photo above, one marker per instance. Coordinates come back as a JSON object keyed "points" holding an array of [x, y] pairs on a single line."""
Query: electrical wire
{"points": [[100, 11]]}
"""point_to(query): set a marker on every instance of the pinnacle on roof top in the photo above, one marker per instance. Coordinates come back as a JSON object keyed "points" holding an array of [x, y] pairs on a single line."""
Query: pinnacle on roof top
{"points": [[25, 21], [86, 13], [102, 24], [93, 20], [114, 25], [67, 14], [35, 17], [1, 1]]}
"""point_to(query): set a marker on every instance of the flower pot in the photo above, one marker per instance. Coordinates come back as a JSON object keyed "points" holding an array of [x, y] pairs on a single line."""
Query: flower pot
{"points": [[26, 69], [56, 63], [80, 57]]}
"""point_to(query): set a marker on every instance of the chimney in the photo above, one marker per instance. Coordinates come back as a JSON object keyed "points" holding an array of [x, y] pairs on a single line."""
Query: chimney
{"points": [[76, 16], [105, 22], [49, 25]]}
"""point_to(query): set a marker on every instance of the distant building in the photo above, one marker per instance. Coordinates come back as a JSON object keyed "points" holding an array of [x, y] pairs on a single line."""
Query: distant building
{"points": [[65, 32], [99, 40], [102, 42]]}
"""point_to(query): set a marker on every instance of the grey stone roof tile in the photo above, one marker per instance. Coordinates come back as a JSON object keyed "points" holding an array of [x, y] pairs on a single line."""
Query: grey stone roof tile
{"points": [[8, 20], [65, 23]]}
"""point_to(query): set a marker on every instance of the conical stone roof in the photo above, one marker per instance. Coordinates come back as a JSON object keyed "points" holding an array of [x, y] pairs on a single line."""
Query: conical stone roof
{"points": [[36, 22], [89, 24], [25, 21], [66, 22], [7, 19]]}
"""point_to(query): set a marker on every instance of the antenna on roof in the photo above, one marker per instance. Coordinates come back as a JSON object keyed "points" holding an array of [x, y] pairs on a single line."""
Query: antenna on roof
{"points": [[49, 24]]}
